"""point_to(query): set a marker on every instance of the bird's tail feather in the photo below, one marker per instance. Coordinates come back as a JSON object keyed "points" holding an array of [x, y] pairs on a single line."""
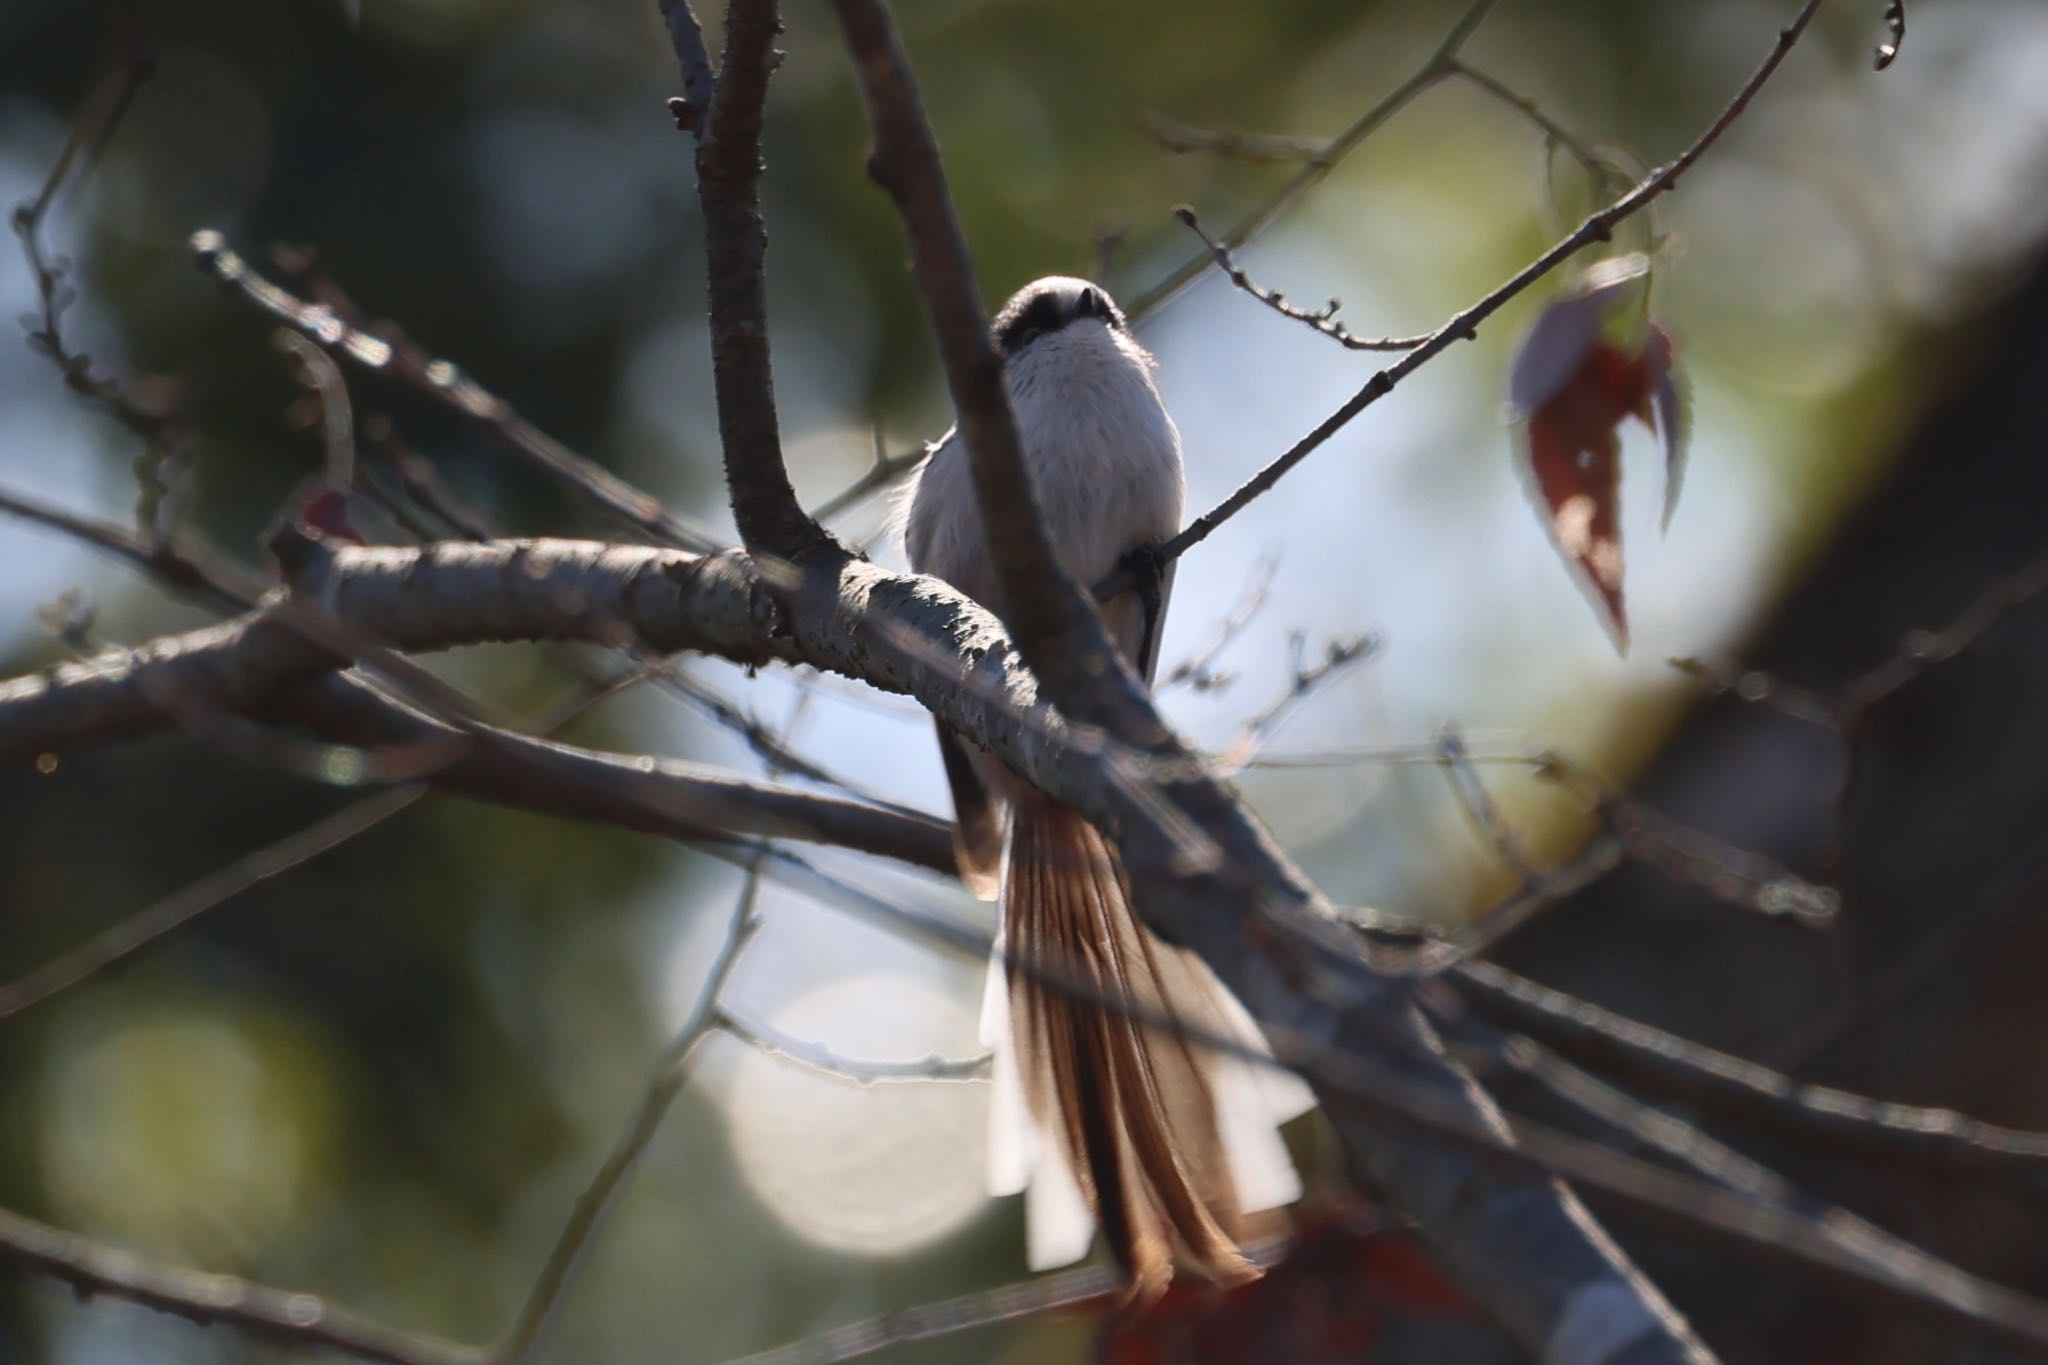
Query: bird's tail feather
{"points": [[1171, 1148]]}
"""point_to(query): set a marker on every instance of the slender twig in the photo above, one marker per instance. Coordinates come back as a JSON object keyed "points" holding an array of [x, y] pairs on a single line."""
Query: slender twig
{"points": [[860, 1070], [1685, 1142], [1074, 1288], [1465, 324], [1478, 806], [281, 1315], [328, 392], [187, 568], [1320, 320], [1182, 138], [1629, 830], [1647, 1128], [1895, 33], [885, 470], [700, 80], [1604, 173], [1198, 671], [1339, 657], [671, 1071], [1081, 1285], [147, 926], [148, 408], [1847, 713], [391, 353], [422, 482], [1433, 70], [1831, 1120]]}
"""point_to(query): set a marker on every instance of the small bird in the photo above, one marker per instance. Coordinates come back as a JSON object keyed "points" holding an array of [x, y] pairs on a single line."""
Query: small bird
{"points": [[1171, 1148]]}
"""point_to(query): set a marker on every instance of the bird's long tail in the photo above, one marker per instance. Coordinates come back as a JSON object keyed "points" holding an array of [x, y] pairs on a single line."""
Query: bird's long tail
{"points": [[1170, 1147]]}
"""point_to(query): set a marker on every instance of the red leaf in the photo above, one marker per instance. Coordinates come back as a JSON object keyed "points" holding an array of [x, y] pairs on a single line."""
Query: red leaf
{"points": [[1573, 388], [1673, 409]]}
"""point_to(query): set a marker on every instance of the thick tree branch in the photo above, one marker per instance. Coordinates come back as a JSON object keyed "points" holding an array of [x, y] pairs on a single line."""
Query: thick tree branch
{"points": [[567, 590], [1519, 1239], [670, 797], [1047, 613], [764, 504], [1410, 1132], [1202, 871]]}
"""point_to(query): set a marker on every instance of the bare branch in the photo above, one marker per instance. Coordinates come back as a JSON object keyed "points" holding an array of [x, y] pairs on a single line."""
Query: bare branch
{"points": [[1389, 1094], [860, 1070], [735, 250], [296, 1319], [669, 797], [885, 470], [148, 407], [1603, 172], [1198, 671], [670, 1073], [1339, 657], [1432, 71], [1048, 615], [1201, 870], [1321, 320], [1182, 138], [193, 572], [1465, 325], [327, 394], [425, 487], [1072, 1288], [1648, 1128], [1848, 712], [180, 908], [1788, 1109], [552, 589], [390, 352], [700, 82]]}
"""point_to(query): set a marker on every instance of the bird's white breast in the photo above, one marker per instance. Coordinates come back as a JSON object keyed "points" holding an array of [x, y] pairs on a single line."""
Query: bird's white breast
{"points": [[1104, 458]]}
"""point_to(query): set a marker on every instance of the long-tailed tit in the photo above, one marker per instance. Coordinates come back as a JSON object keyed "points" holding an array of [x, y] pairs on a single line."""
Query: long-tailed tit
{"points": [[1170, 1147]]}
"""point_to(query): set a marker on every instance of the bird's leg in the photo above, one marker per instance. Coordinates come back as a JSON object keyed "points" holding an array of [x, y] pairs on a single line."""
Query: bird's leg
{"points": [[1147, 568]]}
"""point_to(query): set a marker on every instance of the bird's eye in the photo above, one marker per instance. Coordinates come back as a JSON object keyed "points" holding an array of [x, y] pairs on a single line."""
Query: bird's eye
{"points": [[1024, 337]]}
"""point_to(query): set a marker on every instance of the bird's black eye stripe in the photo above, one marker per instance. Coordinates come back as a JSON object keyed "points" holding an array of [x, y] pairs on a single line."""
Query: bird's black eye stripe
{"points": [[1045, 313], [1096, 304]]}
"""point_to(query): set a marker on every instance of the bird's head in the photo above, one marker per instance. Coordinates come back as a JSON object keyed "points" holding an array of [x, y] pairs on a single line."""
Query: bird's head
{"points": [[1065, 317]]}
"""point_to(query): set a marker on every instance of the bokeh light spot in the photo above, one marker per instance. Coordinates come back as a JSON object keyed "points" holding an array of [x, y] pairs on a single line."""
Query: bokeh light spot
{"points": [[879, 1169]]}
